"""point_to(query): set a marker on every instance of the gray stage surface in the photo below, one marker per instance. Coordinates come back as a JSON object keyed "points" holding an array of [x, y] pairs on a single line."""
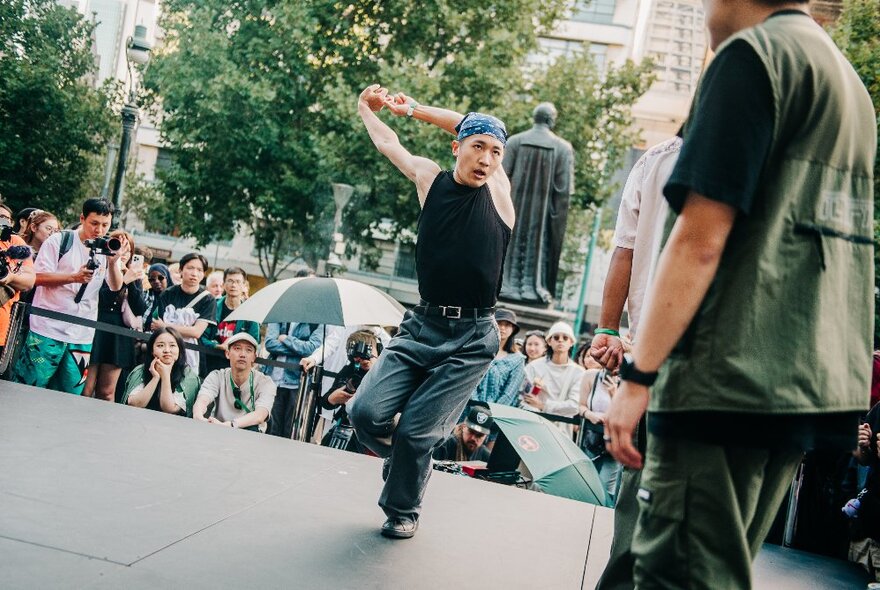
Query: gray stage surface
{"points": [[96, 495]]}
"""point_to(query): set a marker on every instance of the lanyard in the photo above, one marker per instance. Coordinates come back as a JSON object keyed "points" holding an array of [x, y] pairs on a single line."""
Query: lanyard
{"points": [[239, 403]]}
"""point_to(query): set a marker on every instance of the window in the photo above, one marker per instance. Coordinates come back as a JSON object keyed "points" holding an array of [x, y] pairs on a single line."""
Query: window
{"points": [[405, 265], [594, 11]]}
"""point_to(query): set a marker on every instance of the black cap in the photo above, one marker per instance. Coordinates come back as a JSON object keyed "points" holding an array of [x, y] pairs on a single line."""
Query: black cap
{"points": [[506, 315], [479, 419]]}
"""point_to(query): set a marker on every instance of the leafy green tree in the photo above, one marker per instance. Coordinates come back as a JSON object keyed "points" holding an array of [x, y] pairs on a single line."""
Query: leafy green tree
{"points": [[857, 33], [54, 125], [258, 102]]}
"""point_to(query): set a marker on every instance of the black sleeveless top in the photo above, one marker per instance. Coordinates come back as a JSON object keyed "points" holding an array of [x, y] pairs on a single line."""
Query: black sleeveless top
{"points": [[460, 246]]}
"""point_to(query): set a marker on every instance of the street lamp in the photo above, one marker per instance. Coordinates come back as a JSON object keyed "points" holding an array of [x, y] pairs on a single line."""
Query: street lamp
{"points": [[137, 54], [341, 196]]}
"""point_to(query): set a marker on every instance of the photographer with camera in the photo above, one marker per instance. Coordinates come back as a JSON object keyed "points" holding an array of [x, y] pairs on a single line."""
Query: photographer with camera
{"points": [[112, 353], [363, 349], [16, 270], [71, 267]]}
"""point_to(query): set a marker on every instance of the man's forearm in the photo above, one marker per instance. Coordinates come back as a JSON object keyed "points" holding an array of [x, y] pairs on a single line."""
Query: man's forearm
{"points": [[442, 118], [685, 272], [200, 407], [381, 134], [53, 279], [254, 418], [616, 288], [194, 331]]}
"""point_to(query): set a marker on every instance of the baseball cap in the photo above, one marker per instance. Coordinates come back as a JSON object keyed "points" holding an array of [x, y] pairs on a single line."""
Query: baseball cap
{"points": [[479, 419], [239, 337]]}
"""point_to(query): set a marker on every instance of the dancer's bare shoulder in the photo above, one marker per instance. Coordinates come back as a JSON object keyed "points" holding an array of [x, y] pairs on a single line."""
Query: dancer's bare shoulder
{"points": [[499, 186]]}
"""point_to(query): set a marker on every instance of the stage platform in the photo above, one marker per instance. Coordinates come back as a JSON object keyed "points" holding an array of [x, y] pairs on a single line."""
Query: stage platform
{"points": [[97, 495]]}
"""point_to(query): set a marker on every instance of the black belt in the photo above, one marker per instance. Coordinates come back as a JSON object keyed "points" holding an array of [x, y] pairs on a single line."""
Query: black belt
{"points": [[453, 312]]}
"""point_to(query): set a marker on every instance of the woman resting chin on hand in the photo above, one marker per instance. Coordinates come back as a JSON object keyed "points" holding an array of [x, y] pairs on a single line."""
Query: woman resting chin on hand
{"points": [[164, 382]]}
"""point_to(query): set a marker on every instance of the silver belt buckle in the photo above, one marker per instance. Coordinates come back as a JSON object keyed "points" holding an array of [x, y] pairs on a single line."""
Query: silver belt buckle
{"points": [[451, 312]]}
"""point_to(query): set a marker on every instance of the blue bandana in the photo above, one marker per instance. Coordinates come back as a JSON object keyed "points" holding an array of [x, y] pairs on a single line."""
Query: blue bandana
{"points": [[478, 123]]}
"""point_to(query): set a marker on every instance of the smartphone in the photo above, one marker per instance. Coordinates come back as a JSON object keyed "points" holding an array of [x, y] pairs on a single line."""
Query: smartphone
{"points": [[137, 260]]}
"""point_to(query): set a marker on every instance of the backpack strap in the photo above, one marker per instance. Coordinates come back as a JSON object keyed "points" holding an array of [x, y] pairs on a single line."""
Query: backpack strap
{"points": [[197, 298], [66, 243]]}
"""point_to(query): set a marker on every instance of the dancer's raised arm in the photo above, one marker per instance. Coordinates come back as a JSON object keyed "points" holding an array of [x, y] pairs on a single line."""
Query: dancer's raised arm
{"points": [[405, 106], [421, 171]]}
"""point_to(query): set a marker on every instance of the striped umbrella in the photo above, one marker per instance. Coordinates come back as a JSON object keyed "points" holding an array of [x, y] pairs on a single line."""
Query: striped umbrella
{"points": [[320, 300]]}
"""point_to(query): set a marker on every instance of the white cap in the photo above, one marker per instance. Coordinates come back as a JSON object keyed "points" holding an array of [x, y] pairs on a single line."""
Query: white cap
{"points": [[560, 328], [239, 337]]}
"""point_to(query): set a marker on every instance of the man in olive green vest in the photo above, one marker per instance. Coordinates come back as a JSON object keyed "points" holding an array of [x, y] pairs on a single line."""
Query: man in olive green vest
{"points": [[759, 318]]}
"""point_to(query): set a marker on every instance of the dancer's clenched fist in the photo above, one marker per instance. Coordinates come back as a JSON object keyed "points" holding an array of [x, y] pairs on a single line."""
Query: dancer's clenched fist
{"points": [[374, 97]]}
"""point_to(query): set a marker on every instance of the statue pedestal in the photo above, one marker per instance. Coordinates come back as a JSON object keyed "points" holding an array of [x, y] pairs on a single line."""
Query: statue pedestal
{"points": [[538, 316]]}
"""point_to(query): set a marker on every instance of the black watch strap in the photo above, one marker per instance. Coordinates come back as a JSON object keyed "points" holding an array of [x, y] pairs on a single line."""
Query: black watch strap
{"points": [[629, 372]]}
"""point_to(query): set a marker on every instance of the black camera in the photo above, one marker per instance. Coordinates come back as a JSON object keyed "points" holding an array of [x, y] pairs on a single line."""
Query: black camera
{"points": [[17, 254], [360, 351], [106, 245], [355, 380], [5, 232]]}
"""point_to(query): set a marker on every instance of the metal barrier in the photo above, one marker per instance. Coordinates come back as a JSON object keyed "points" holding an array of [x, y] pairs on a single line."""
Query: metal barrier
{"points": [[306, 409]]}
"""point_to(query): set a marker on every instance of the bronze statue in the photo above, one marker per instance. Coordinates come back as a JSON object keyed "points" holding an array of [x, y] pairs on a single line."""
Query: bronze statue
{"points": [[540, 165]]}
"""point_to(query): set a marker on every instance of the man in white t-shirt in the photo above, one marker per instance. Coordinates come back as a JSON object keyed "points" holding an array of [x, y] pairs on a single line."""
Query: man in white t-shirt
{"points": [[637, 240], [638, 237], [56, 353], [243, 396]]}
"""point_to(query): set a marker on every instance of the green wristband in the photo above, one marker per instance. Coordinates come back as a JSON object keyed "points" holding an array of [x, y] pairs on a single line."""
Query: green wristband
{"points": [[607, 331]]}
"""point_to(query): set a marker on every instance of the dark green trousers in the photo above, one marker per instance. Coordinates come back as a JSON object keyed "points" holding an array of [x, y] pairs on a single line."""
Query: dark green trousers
{"points": [[704, 511], [618, 574]]}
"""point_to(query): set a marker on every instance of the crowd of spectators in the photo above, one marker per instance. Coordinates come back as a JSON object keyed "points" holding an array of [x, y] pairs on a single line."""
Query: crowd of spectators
{"points": [[87, 273], [74, 271]]}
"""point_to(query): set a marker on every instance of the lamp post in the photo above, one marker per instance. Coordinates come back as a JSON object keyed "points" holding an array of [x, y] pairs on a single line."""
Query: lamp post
{"points": [[341, 196], [137, 54], [585, 279]]}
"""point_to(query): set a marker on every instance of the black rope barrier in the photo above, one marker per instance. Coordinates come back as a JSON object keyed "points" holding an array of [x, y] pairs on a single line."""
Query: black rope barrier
{"points": [[144, 336]]}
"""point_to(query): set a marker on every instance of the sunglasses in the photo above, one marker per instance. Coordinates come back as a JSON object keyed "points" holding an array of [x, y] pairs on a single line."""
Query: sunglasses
{"points": [[236, 393]]}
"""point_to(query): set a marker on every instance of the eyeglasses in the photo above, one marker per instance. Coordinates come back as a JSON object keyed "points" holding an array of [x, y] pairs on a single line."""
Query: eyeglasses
{"points": [[160, 278], [6, 217], [559, 337]]}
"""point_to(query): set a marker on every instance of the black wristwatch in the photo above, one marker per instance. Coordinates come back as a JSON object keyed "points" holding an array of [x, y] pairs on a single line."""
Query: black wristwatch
{"points": [[629, 372]]}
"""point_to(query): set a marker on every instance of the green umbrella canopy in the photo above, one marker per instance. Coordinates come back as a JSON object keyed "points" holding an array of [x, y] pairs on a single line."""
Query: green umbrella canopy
{"points": [[557, 465]]}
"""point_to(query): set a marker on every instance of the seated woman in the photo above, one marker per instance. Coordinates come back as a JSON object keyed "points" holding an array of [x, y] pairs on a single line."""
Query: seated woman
{"points": [[164, 382]]}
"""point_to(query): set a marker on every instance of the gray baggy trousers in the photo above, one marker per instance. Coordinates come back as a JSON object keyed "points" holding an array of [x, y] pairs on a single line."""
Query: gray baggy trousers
{"points": [[426, 374]]}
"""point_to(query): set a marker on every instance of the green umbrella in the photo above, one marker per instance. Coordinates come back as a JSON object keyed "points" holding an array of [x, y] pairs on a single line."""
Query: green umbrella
{"points": [[555, 462]]}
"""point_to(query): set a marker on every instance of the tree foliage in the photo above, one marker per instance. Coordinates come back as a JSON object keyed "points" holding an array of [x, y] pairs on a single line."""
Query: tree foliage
{"points": [[857, 33], [258, 103], [54, 125]]}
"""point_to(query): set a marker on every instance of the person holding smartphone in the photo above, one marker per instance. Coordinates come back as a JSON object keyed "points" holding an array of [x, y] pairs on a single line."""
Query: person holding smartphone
{"points": [[122, 307]]}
